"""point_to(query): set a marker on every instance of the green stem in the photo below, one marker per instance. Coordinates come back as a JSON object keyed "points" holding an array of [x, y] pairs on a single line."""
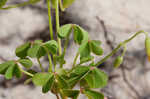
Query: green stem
{"points": [[118, 47], [61, 6], [57, 25], [65, 48], [50, 60], [75, 59], [41, 67], [124, 50], [50, 20], [27, 73]]}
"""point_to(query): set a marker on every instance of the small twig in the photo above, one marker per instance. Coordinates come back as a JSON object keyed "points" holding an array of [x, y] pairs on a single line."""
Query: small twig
{"points": [[127, 82], [57, 96], [108, 41]]}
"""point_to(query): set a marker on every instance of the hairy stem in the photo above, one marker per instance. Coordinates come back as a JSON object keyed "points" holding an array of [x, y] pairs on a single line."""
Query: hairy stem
{"points": [[118, 47], [58, 25], [41, 67], [50, 20]]}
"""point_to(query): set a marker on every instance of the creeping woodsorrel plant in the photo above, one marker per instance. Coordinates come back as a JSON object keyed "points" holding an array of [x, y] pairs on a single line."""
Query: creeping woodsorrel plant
{"points": [[57, 79]]}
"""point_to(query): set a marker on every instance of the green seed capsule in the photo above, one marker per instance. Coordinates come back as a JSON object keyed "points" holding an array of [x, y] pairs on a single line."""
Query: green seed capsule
{"points": [[118, 61], [147, 47]]}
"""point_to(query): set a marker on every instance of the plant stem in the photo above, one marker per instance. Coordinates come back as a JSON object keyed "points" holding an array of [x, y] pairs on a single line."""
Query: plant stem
{"points": [[41, 67], [57, 96], [61, 6], [57, 25], [118, 47], [25, 72], [50, 20], [50, 60], [65, 48], [75, 59]]}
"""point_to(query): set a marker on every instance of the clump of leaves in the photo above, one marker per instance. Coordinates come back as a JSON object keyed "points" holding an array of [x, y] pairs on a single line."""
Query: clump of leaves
{"points": [[58, 80]]}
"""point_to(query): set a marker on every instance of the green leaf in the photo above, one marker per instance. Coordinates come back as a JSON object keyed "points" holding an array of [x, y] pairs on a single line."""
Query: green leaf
{"points": [[95, 47], [96, 78], [64, 30], [71, 93], [77, 74], [118, 61], [67, 3], [86, 59], [21, 51], [51, 46], [40, 79], [62, 83], [27, 63], [9, 72], [5, 66], [36, 51], [59, 59], [84, 50], [2, 3], [17, 71], [80, 35], [79, 70], [48, 85], [61, 71], [93, 94]]}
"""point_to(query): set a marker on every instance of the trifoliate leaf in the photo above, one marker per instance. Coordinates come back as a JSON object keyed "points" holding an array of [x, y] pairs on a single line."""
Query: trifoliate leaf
{"points": [[78, 73], [62, 83], [48, 85], [64, 30], [67, 3], [93, 94], [95, 47], [27, 63], [84, 50], [5, 66], [80, 35], [40, 79], [79, 70], [9, 72], [2, 3], [51, 46], [21, 51], [17, 71], [36, 51], [71, 93], [96, 78]]}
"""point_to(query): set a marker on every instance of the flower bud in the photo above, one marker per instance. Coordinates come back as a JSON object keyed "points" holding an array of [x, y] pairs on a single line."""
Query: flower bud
{"points": [[147, 47], [118, 61]]}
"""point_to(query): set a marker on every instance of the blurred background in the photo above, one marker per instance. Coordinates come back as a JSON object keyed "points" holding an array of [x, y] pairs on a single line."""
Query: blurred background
{"points": [[110, 21]]}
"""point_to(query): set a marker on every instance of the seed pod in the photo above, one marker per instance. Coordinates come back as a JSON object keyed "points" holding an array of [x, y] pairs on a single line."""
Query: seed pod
{"points": [[147, 47], [118, 61]]}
